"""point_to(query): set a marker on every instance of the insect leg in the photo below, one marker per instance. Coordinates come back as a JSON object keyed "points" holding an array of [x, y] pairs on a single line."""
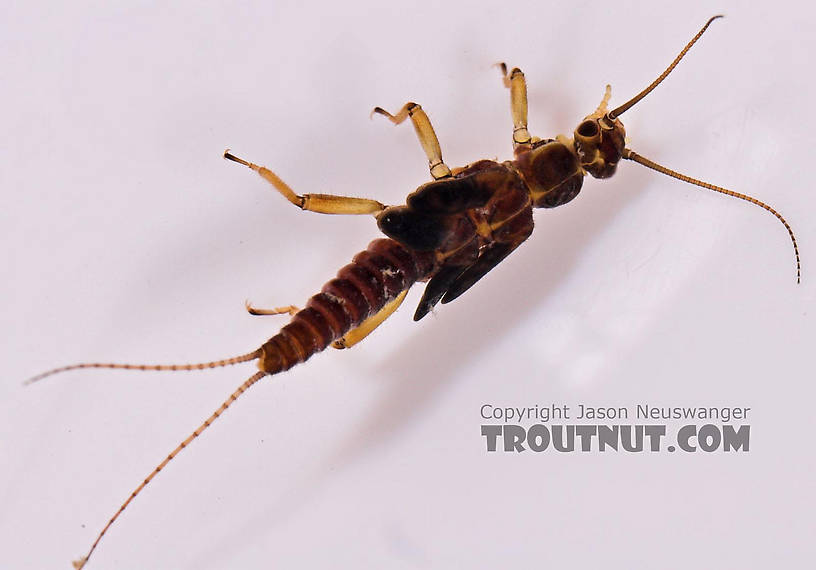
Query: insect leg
{"points": [[320, 203], [290, 309], [425, 133], [367, 326], [518, 104]]}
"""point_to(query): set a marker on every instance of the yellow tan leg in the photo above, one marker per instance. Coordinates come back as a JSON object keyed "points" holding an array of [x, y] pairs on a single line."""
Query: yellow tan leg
{"points": [[425, 133], [290, 309], [518, 104], [367, 326], [320, 203]]}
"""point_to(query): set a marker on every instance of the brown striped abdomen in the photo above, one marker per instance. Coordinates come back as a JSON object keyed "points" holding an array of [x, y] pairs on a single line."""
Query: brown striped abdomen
{"points": [[363, 287]]}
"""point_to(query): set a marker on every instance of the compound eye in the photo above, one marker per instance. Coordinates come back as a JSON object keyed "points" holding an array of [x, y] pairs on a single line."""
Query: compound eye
{"points": [[588, 129]]}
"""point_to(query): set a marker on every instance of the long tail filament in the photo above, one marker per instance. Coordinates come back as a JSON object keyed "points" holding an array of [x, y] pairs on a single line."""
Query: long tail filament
{"points": [[79, 564], [174, 367]]}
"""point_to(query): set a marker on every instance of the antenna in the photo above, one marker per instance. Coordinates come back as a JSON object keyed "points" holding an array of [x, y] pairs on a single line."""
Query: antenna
{"points": [[632, 155], [631, 102]]}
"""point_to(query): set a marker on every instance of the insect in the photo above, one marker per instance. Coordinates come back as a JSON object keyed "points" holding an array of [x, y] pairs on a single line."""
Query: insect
{"points": [[450, 233]]}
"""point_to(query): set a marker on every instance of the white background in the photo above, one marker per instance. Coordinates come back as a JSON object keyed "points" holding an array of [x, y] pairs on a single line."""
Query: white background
{"points": [[127, 238]]}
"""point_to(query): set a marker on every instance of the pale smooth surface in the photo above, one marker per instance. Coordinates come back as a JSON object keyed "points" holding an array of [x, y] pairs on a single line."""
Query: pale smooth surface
{"points": [[127, 238]]}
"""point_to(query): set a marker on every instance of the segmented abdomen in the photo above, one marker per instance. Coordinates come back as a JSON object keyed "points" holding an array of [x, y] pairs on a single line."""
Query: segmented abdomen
{"points": [[363, 287]]}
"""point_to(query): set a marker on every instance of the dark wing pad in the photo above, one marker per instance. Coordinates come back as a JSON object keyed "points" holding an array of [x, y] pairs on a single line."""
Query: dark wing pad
{"points": [[455, 195], [419, 231], [436, 288], [490, 257]]}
